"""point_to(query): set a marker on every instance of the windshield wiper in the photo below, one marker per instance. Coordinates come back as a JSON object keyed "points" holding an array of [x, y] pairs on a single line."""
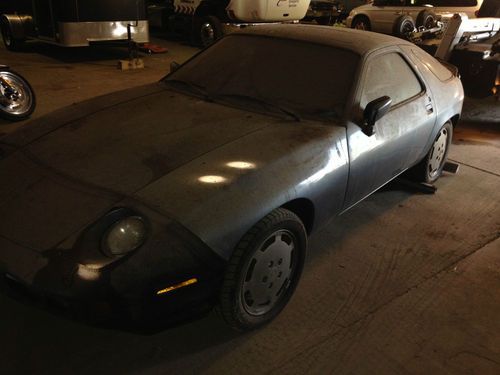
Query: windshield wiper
{"points": [[263, 102], [190, 86]]}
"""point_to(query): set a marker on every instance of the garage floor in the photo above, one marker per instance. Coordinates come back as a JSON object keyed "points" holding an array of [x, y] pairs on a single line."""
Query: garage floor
{"points": [[403, 283]]}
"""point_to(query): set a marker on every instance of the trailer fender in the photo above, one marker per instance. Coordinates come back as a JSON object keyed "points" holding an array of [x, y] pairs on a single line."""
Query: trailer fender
{"points": [[20, 25]]}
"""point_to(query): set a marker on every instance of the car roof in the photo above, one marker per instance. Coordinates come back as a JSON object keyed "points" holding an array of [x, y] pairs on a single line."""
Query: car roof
{"points": [[358, 41]]}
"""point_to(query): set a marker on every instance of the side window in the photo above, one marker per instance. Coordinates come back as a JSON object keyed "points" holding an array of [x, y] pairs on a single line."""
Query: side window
{"points": [[390, 75], [455, 3]]}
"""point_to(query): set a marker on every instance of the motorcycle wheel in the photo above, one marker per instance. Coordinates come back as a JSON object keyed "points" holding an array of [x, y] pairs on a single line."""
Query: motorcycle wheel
{"points": [[17, 98]]}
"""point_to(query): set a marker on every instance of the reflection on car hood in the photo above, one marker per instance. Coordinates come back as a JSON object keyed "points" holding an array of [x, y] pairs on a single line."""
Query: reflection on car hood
{"points": [[130, 144]]}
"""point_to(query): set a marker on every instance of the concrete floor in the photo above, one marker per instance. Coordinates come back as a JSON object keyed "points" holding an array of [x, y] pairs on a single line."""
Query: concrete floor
{"points": [[403, 283]]}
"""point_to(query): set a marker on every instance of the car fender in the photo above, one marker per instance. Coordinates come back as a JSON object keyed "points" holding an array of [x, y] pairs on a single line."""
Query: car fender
{"points": [[222, 194]]}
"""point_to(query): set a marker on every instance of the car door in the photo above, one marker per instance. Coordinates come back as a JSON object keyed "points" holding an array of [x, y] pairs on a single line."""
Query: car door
{"points": [[383, 15], [397, 141]]}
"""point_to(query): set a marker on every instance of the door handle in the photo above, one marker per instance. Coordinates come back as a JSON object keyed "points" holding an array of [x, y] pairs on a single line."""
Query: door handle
{"points": [[429, 108]]}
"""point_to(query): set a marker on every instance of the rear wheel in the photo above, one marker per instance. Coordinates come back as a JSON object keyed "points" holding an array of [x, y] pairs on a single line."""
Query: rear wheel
{"points": [[361, 23], [431, 166], [326, 21], [263, 271]]}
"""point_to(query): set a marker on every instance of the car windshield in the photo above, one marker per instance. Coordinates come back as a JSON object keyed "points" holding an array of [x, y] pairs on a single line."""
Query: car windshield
{"points": [[268, 74]]}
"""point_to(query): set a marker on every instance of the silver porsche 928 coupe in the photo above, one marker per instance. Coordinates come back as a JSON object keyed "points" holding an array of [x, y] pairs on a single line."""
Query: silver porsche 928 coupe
{"points": [[200, 190]]}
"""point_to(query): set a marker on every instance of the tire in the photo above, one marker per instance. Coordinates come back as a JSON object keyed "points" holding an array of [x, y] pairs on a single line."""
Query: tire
{"points": [[426, 19], [257, 283], [403, 26], [361, 23], [11, 43], [17, 98], [325, 21], [209, 30], [431, 166]]}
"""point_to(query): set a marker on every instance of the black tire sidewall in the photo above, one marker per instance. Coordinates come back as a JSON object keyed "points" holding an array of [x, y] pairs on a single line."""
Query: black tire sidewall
{"points": [[428, 177], [240, 318], [398, 29], [423, 17]]}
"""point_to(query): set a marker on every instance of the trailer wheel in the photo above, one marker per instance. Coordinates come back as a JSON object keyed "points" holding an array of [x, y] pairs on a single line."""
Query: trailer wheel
{"points": [[427, 19], [210, 29], [403, 26], [11, 43]]}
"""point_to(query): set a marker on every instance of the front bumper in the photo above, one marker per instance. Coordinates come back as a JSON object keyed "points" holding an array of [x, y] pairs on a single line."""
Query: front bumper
{"points": [[80, 282]]}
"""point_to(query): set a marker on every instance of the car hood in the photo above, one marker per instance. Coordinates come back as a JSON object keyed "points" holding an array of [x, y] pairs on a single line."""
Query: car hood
{"points": [[69, 168], [129, 144]]}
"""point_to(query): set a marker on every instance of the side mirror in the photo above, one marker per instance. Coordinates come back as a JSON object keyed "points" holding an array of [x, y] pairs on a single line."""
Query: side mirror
{"points": [[373, 112], [174, 66]]}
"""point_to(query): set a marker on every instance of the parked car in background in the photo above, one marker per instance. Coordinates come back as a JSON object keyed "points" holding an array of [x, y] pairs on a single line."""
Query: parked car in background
{"points": [[324, 12], [200, 190], [398, 16]]}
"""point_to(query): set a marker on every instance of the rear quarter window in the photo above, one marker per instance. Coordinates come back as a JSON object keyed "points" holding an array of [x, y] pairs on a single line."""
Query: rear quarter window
{"points": [[438, 69]]}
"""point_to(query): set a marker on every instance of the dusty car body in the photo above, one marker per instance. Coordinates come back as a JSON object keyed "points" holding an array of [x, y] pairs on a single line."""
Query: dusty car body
{"points": [[201, 165]]}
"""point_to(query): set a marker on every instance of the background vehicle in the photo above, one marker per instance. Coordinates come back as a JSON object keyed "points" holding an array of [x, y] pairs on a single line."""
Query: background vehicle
{"points": [[324, 12], [73, 23], [17, 98], [208, 20], [399, 16], [472, 45]]}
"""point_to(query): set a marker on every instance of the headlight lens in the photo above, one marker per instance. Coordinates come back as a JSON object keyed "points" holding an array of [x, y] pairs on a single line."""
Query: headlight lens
{"points": [[125, 236]]}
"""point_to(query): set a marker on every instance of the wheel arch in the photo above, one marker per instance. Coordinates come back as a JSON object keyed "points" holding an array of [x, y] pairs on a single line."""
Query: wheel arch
{"points": [[304, 209], [360, 16], [454, 120]]}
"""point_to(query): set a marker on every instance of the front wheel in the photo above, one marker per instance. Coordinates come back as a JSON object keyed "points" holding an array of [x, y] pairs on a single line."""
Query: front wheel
{"points": [[263, 271], [17, 98], [431, 166]]}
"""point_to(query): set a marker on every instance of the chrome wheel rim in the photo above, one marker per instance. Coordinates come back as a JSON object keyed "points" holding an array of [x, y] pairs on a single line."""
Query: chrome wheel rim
{"points": [[207, 33], [438, 153], [269, 273], [16, 97]]}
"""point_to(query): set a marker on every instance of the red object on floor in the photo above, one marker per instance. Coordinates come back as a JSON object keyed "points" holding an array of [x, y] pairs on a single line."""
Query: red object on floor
{"points": [[152, 48]]}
